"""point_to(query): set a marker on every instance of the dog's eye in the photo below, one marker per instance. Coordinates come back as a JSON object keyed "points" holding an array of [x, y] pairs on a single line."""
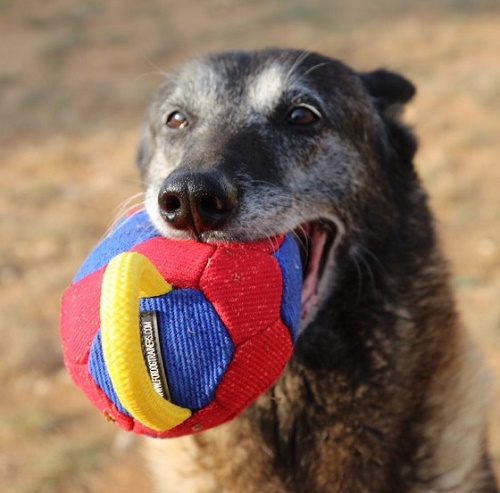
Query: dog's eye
{"points": [[177, 120], [302, 115]]}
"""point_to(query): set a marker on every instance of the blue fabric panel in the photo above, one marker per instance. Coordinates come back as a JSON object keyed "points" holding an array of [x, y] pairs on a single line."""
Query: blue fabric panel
{"points": [[288, 257], [195, 345], [127, 233], [99, 373]]}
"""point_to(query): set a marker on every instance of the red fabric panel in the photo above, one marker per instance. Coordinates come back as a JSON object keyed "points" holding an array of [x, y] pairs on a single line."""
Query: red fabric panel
{"points": [[79, 317], [256, 365], [244, 286], [181, 263], [78, 324]]}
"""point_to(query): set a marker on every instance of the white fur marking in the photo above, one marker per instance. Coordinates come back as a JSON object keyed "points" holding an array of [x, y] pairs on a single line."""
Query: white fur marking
{"points": [[267, 89]]}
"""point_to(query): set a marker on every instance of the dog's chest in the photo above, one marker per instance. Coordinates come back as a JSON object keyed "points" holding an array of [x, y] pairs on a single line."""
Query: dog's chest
{"points": [[215, 463]]}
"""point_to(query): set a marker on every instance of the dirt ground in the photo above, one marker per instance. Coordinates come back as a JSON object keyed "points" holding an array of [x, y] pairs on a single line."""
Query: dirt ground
{"points": [[75, 77]]}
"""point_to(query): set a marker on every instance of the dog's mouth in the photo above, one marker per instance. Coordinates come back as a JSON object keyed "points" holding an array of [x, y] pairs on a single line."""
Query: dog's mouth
{"points": [[316, 240]]}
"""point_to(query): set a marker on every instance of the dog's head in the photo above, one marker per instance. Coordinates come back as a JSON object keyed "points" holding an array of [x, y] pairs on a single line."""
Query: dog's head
{"points": [[245, 145]]}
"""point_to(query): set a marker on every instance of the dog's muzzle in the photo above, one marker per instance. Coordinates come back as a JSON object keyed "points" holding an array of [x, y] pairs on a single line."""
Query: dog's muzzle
{"points": [[201, 201]]}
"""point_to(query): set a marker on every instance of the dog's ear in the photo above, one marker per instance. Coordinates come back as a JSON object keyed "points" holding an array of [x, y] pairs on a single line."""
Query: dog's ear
{"points": [[145, 149], [390, 91]]}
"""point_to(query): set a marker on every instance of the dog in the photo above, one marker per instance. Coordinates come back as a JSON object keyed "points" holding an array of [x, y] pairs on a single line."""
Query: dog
{"points": [[384, 392]]}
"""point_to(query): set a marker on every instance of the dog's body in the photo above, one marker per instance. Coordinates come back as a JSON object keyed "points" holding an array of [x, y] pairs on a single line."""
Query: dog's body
{"points": [[384, 392]]}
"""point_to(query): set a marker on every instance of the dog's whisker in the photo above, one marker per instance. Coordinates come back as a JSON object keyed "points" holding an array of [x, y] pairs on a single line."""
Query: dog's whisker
{"points": [[376, 260], [360, 279], [313, 68], [369, 271], [158, 70], [136, 201], [140, 182], [302, 237], [129, 204], [300, 59], [158, 73]]}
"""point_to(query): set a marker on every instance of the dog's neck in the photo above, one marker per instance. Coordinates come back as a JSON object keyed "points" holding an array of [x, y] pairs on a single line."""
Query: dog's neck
{"points": [[344, 418]]}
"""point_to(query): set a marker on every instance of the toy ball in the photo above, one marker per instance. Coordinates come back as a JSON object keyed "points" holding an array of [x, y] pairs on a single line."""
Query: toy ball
{"points": [[172, 337]]}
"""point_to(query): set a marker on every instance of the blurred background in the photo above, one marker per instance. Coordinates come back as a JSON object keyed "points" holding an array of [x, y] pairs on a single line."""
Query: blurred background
{"points": [[75, 78]]}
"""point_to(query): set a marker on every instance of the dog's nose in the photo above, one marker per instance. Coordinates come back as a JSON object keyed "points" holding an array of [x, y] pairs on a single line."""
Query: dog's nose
{"points": [[197, 201]]}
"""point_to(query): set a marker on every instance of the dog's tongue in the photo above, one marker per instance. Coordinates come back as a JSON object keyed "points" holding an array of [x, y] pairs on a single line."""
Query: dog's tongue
{"points": [[317, 240]]}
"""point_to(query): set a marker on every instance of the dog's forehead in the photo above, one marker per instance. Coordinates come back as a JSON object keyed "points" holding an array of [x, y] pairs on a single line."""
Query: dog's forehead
{"points": [[256, 80]]}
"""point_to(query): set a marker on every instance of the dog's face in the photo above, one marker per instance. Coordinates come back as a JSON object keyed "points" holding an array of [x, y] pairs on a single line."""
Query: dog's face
{"points": [[240, 146]]}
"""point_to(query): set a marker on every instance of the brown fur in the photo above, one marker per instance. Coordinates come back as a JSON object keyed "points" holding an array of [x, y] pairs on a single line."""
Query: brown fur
{"points": [[385, 392]]}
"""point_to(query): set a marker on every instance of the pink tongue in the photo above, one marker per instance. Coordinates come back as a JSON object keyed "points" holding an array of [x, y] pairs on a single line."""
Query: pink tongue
{"points": [[317, 240]]}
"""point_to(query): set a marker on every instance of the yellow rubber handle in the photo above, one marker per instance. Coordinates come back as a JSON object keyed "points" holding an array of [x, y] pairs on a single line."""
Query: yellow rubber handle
{"points": [[128, 277]]}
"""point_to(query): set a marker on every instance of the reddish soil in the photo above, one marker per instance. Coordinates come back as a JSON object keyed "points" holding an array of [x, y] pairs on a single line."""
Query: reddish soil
{"points": [[75, 78]]}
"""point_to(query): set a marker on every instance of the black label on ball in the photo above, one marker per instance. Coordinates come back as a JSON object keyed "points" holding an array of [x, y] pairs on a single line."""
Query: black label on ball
{"points": [[151, 350]]}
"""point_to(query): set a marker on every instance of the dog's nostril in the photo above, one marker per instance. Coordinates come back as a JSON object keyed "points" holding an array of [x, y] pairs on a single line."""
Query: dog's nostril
{"points": [[170, 203], [211, 205]]}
